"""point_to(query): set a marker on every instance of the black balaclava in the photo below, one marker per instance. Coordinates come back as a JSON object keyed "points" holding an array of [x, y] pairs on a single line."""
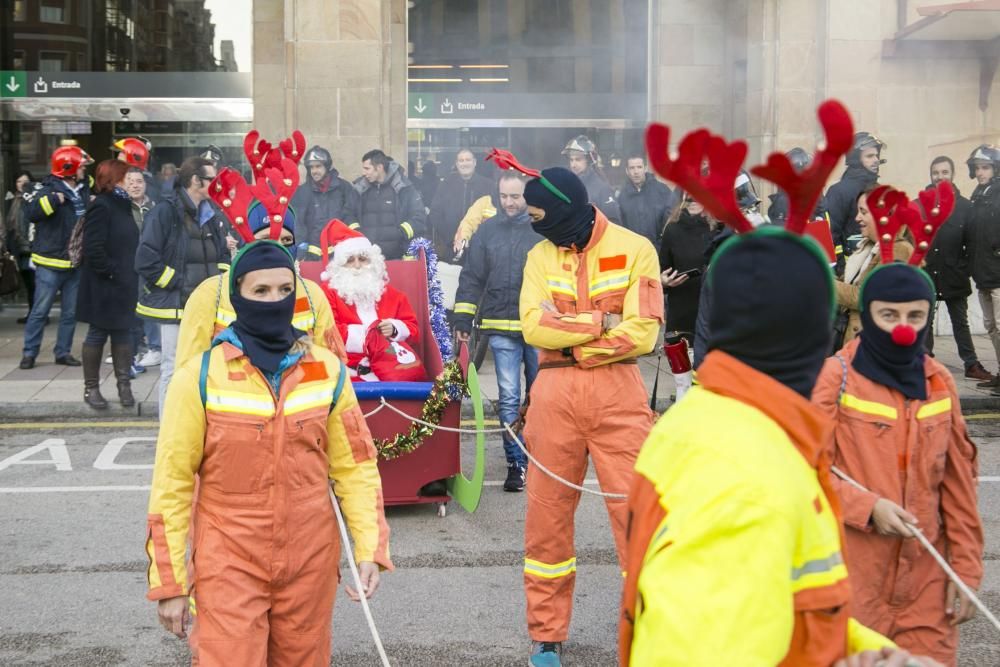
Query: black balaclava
{"points": [[894, 359], [772, 305], [264, 327], [565, 224]]}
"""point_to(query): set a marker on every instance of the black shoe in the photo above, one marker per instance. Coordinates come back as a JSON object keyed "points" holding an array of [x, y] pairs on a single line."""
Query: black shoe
{"points": [[995, 382], [27, 363], [68, 360], [22, 320], [515, 478]]}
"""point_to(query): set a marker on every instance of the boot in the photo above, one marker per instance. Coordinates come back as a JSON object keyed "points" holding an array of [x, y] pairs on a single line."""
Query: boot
{"points": [[92, 377], [121, 357]]}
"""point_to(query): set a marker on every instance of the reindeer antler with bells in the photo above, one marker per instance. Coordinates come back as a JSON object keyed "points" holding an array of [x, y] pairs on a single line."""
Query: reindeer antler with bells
{"points": [[506, 160], [274, 191], [233, 195], [706, 167], [262, 155], [892, 211]]}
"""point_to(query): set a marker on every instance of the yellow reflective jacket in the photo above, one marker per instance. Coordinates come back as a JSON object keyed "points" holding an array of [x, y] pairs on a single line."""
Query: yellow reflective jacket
{"points": [[734, 543], [239, 404], [618, 272], [481, 210], [208, 311]]}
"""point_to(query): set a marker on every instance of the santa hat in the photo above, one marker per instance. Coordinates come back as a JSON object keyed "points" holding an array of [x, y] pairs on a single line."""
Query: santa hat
{"points": [[343, 241]]}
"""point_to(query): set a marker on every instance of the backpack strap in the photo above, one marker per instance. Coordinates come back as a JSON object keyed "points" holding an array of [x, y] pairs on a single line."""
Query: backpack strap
{"points": [[206, 357], [340, 384]]}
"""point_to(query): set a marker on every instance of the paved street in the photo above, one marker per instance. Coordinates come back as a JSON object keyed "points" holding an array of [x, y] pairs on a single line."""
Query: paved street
{"points": [[72, 566]]}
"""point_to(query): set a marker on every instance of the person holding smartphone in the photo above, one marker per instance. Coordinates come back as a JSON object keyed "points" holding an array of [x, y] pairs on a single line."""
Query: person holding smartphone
{"points": [[682, 259]]}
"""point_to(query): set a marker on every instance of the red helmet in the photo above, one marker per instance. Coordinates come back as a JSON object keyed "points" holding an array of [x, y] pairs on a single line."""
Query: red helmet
{"points": [[134, 150], [67, 160]]}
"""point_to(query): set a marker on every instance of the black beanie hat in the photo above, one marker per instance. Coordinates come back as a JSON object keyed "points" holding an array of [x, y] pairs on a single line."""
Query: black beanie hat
{"points": [[564, 224], [772, 305], [896, 283], [264, 254]]}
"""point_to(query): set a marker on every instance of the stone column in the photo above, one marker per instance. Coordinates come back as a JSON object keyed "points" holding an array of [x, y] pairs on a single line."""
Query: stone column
{"points": [[336, 70]]}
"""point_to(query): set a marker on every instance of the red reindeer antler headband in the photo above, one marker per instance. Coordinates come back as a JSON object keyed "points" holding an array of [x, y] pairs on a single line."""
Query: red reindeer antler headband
{"points": [[274, 191], [892, 210], [262, 155], [706, 167]]}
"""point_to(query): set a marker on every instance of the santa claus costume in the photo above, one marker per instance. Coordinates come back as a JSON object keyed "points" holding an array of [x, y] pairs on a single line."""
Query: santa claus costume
{"points": [[361, 297]]}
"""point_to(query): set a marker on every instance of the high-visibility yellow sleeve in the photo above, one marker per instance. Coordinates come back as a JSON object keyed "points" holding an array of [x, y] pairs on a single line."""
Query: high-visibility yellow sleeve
{"points": [[356, 481], [481, 210], [861, 638], [325, 333], [724, 578], [547, 330], [642, 315], [179, 451], [198, 323]]}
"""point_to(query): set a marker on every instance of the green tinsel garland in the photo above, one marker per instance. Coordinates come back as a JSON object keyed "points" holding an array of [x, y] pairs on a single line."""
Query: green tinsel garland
{"points": [[433, 409]]}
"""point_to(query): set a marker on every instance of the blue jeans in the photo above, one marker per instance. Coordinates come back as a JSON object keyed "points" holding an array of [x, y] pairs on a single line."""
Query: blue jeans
{"points": [[508, 355], [48, 283], [152, 331]]}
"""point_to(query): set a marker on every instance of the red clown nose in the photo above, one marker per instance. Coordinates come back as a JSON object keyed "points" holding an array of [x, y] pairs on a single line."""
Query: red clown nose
{"points": [[904, 335]]}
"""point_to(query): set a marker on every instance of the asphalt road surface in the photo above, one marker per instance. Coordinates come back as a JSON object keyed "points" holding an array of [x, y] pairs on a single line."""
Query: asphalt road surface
{"points": [[72, 566]]}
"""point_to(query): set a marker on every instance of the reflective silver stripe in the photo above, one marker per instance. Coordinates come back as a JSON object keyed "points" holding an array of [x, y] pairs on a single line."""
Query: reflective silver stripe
{"points": [[817, 566]]}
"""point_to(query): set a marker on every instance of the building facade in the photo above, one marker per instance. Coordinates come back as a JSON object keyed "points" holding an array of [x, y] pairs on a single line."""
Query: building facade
{"points": [[421, 79]]}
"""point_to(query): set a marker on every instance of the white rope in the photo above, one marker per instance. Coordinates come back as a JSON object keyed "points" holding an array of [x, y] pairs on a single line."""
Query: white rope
{"points": [[555, 476], [387, 404], [917, 533], [357, 579], [366, 415]]}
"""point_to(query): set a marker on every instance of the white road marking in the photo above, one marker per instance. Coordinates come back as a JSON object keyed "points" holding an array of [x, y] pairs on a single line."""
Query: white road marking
{"points": [[79, 489]]}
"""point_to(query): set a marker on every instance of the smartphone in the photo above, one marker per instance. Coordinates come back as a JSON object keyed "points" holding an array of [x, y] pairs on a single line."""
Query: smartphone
{"points": [[690, 273]]}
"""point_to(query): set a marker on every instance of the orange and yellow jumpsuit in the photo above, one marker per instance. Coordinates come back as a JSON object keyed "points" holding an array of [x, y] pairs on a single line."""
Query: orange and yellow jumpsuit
{"points": [[588, 398], [918, 455], [209, 310], [266, 544], [734, 544]]}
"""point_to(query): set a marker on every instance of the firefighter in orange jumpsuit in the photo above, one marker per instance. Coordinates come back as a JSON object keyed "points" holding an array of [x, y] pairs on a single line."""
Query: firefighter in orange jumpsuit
{"points": [[901, 435], [591, 301], [265, 419]]}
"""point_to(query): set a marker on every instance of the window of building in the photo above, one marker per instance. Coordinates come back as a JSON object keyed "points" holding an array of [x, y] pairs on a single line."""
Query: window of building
{"points": [[52, 11], [17, 62], [52, 61], [20, 10]]}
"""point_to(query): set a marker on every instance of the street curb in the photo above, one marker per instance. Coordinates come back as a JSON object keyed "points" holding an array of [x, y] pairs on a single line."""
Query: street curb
{"points": [[54, 411]]}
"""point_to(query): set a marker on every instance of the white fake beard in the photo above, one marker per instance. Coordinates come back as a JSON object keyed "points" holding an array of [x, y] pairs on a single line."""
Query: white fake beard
{"points": [[361, 286]]}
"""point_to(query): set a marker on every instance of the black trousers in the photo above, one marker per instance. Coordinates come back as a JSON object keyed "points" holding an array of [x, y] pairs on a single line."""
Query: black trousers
{"points": [[958, 311]]}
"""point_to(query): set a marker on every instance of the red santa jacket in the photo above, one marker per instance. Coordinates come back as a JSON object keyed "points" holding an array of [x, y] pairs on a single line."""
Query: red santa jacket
{"points": [[353, 322]]}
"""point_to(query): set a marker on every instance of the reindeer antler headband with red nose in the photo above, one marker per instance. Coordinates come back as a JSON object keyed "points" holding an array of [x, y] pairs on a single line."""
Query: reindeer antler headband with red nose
{"points": [[706, 167], [892, 210], [262, 155]]}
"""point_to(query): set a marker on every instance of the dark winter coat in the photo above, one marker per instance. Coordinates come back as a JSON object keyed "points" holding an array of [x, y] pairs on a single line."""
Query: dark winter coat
{"points": [[315, 207], [391, 213], [984, 235], [452, 200], [107, 295], [777, 212], [645, 209], [841, 204], [701, 330], [170, 268], [490, 282], [948, 260], [54, 221], [601, 195], [683, 248]]}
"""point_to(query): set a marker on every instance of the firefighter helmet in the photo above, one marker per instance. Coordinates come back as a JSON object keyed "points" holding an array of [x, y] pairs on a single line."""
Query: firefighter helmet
{"points": [[984, 153], [67, 160]]}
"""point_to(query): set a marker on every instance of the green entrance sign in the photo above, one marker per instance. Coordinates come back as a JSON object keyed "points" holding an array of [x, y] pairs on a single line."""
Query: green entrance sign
{"points": [[13, 84]]}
